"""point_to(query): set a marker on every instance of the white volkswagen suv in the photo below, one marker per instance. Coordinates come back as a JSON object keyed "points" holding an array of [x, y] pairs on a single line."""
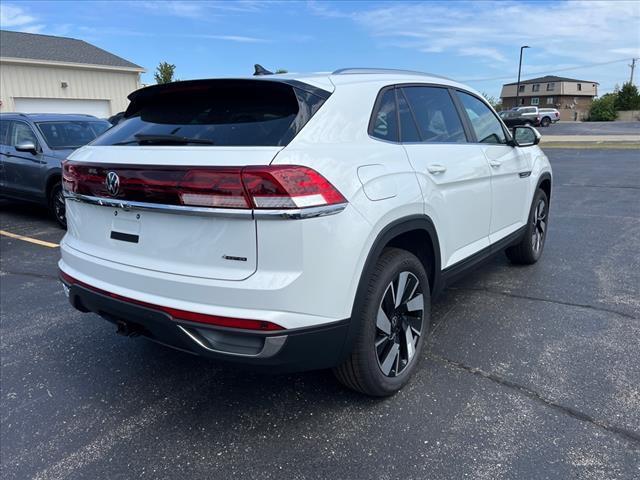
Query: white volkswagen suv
{"points": [[298, 222]]}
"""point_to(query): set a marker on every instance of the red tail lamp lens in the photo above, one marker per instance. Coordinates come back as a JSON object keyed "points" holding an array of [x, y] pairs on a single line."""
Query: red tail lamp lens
{"points": [[259, 187]]}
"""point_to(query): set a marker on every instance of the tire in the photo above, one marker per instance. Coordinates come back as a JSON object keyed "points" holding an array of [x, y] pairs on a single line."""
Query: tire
{"points": [[545, 122], [529, 250], [389, 344], [57, 205]]}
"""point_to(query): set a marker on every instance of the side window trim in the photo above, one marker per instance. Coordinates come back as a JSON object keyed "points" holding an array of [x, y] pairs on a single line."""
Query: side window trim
{"points": [[505, 130]]}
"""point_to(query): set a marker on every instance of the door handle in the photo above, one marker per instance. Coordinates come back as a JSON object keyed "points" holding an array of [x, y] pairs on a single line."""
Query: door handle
{"points": [[435, 169], [495, 163]]}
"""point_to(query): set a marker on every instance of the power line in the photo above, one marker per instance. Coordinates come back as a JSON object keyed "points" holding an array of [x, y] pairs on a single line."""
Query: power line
{"points": [[547, 72]]}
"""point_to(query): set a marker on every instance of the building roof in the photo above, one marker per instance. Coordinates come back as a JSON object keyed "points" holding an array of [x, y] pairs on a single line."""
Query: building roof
{"points": [[550, 78], [51, 117], [33, 46]]}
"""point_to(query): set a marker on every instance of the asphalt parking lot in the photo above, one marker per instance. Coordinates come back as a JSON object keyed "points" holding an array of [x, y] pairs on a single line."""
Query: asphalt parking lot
{"points": [[531, 372]]}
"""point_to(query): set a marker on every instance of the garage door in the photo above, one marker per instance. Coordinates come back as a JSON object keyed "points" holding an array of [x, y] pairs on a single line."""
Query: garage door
{"points": [[99, 108]]}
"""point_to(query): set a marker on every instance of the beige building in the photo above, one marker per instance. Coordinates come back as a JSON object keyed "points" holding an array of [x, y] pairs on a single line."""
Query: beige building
{"points": [[570, 96], [46, 74]]}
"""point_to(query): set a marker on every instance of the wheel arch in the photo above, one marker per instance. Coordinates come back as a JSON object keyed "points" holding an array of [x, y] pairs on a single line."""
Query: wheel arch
{"points": [[544, 183], [416, 234], [54, 177]]}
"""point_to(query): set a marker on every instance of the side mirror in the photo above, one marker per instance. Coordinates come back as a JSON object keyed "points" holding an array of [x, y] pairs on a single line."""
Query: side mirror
{"points": [[27, 147], [525, 136]]}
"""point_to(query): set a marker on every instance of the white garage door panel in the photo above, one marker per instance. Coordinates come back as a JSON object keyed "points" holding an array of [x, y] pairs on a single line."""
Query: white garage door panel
{"points": [[99, 108]]}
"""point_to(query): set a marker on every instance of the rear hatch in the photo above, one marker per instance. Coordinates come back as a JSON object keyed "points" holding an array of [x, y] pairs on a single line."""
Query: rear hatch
{"points": [[162, 190]]}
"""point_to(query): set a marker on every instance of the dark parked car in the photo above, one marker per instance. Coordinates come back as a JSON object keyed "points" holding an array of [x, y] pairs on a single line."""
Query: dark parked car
{"points": [[32, 147], [513, 118]]}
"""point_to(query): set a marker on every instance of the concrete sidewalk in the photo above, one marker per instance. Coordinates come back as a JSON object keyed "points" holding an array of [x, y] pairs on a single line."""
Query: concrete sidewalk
{"points": [[591, 141], [589, 138]]}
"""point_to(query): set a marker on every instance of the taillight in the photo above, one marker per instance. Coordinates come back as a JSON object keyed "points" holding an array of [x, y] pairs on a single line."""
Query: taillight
{"points": [[252, 187], [288, 186]]}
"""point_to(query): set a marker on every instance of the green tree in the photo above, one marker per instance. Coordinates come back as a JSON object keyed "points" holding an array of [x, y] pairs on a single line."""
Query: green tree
{"points": [[603, 109], [493, 101], [628, 98], [281, 70], [164, 73]]}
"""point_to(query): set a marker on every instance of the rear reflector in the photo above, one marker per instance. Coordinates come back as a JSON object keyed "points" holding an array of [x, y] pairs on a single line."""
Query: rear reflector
{"points": [[252, 187], [177, 314]]}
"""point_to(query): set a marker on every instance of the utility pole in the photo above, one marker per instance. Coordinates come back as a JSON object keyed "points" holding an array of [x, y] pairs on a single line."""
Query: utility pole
{"points": [[519, 71], [633, 67]]}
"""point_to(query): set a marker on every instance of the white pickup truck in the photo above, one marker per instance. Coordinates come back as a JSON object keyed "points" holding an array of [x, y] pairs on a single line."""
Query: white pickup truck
{"points": [[539, 116]]}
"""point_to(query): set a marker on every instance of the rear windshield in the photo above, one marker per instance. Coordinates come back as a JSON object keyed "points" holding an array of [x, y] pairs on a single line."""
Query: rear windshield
{"points": [[216, 112], [66, 134]]}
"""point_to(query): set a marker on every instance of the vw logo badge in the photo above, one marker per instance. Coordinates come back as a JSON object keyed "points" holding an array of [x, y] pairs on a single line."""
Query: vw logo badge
{"points": [[113, 183]]}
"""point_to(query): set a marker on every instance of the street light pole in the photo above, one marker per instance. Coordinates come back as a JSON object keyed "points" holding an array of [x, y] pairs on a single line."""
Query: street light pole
{"points": [[519, 71]]}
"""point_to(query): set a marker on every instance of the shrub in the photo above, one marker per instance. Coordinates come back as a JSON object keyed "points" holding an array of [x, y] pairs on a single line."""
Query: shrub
{"points": [[628, 98], [603, 109]]}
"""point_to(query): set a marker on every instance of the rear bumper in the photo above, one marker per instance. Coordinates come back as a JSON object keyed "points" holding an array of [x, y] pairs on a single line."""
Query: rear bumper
{"points": [[276, 351]]}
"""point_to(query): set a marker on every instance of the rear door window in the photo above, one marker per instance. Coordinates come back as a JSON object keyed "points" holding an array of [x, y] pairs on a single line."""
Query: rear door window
{"points": [[435, 114], [216, 112]]}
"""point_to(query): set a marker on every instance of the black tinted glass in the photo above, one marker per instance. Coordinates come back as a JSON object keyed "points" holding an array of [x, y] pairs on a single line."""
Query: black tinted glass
{"points": [[4, 131], [408, 129], [435, 114], [224, 113], [71, 134], [486, 126], [385, 120]]}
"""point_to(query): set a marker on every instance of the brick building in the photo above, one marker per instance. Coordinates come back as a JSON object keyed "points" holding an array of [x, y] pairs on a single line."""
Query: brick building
{"points": [[571, 97]]}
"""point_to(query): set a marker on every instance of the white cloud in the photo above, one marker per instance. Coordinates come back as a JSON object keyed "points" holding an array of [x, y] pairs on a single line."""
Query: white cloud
{"points": [[229, 38], [199, 10], [16, 18], [576, 30]]}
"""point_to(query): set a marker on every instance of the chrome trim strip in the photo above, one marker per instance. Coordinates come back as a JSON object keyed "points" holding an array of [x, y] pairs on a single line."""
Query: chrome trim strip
{"points": [[294, 214], [272, 345], [300, 213]]}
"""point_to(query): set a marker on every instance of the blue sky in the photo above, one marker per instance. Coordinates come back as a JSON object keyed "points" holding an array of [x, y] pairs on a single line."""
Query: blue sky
{"points": [[477, 42]]}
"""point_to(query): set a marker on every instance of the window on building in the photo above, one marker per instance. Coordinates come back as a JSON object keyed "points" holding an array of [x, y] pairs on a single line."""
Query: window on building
{"points": [[521, 101], [549, 100], [536, 87], [535, 101], [551, 87], [579, 87], [521, 88]]}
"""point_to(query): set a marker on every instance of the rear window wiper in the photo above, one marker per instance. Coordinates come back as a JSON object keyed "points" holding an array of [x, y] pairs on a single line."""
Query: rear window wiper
{"points": [[166, 139]]}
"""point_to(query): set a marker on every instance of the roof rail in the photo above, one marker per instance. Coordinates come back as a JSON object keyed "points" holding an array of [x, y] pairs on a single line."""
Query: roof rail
{"points": [[349, 71]]}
